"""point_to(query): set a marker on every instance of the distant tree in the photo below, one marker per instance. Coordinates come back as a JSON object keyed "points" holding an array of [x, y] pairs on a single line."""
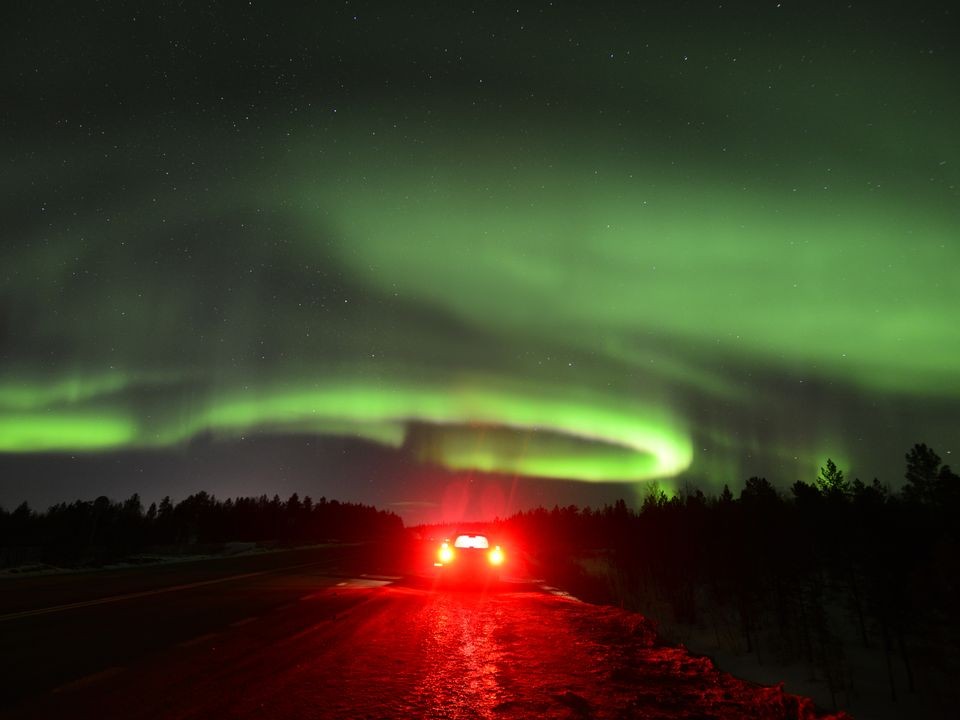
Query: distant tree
{"points": [[689, 495], [928, 481], [831, 483], [805, 495], [294, 504], [726, 497], [759, 489], [654, 498], [20, 523], [948, 486], [132, 507], [620, 510], [695, 498], [868, 495]]}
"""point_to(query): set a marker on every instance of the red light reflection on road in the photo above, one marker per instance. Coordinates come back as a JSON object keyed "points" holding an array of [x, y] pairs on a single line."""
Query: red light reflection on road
{"points": [[416, 652], [462, 675], [412, 651]]}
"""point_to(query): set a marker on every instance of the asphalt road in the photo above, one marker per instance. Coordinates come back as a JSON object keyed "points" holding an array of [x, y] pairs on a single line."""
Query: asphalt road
{"points": [[305, 634]]}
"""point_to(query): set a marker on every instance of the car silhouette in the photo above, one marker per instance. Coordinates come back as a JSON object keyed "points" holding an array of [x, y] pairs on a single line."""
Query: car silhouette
{"points": [[469, 557]]}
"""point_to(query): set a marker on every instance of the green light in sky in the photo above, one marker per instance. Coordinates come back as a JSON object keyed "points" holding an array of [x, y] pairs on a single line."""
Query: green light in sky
{"points": [[616, 441], [26, 396], [843, 282], [60, 431], [581, 253], [570, 435]]}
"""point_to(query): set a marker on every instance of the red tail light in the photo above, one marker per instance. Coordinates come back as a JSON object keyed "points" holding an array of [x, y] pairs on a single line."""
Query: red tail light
{"points": [[445, 554], [496, 556]]}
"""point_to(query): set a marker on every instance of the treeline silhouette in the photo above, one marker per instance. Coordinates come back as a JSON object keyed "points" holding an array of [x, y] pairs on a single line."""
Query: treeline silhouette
{"points": [[102, 530], [814, 575]]}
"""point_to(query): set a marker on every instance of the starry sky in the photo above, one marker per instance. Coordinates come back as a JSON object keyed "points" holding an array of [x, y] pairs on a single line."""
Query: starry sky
{"points": [[437, 256]]}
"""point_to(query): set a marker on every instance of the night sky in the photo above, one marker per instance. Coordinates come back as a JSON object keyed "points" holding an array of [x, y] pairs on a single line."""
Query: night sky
{"points": [[434, 255]]}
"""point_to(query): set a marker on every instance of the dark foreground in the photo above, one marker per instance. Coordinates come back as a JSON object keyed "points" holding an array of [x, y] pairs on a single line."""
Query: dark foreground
{"points": [[295, 635]]}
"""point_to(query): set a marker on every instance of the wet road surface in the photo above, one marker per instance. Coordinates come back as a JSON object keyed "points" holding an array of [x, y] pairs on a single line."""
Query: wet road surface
{"points": [[302, 642]]}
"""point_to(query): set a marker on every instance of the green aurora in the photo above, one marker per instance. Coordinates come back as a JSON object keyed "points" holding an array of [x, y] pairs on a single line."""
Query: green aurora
{"points": [[627, 251]]}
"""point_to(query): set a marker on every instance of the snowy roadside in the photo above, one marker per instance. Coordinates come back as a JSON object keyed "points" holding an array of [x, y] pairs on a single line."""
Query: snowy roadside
{"points": [[865, 674], [868, 694]]}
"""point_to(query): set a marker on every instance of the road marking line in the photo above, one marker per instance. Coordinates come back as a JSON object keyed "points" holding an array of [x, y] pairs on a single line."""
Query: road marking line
{"points": [[145, 593], [238, 623], [389, 578], [88, 680], [364, 583]]}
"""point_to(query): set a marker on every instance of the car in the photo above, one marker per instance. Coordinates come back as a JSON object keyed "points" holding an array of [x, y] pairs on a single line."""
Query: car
{"points": [[469, 557]]}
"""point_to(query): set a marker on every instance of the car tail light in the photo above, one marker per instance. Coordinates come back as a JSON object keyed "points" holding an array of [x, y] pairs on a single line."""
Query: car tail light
{"points": [[496, 556], [445, 554]]}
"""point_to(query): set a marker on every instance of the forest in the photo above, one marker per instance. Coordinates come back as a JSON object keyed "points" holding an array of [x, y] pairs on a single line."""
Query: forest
{"points": [[833, 570], [103, 531]]}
